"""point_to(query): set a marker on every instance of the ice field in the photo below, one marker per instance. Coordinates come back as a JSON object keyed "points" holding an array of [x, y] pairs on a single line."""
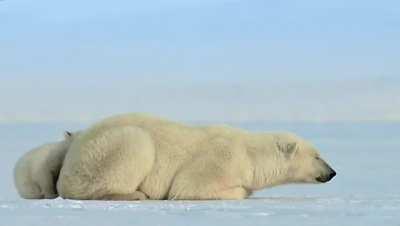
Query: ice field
{"points": [[365, 191]]}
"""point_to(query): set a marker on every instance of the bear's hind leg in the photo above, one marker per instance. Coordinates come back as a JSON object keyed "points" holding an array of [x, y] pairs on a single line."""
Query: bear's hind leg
{"points": [[112, 163]]}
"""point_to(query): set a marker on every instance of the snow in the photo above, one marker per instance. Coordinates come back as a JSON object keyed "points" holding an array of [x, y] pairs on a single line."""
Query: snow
{"points": [[365, 191], [260, 211]]}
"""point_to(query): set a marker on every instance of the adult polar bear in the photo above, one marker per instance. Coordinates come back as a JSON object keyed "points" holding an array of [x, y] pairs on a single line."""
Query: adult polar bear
{"points": [[134, 156]]}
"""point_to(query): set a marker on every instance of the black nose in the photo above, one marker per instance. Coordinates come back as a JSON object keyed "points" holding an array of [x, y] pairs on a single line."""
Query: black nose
{"points": [[327, 177], [332, 174]]}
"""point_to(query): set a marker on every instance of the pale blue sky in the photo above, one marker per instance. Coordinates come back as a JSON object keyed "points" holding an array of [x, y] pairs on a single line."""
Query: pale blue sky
{"points": [[200, 60]]}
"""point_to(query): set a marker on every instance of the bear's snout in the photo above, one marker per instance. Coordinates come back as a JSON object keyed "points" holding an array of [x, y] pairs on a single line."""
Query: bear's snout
{"points": [[326, 177]]}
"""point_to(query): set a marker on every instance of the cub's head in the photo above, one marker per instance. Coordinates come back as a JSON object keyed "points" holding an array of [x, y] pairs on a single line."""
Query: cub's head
{"points": [[303, 162]]}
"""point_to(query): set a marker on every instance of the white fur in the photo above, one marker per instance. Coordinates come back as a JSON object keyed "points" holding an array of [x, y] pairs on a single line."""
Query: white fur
{"points": [[135, 156], [36, 172]]}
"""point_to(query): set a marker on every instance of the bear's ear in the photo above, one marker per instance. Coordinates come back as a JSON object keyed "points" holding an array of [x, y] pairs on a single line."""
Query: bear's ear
{"points": [[67, 134], [287, 148]]}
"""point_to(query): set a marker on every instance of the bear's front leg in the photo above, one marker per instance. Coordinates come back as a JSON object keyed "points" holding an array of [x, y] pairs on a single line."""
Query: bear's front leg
{"points": [[235, 193], [137, 195], [209, 183]]}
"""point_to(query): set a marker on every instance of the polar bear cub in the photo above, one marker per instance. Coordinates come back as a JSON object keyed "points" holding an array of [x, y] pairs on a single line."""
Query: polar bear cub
{"points": [[36, 172]]}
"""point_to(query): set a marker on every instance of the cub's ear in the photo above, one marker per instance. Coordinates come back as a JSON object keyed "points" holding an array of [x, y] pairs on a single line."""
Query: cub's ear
{"points": [[67, 134], [287, 148]]}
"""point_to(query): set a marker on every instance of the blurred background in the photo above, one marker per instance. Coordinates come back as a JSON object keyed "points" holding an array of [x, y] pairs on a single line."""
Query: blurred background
{"points": [[219, 60]]}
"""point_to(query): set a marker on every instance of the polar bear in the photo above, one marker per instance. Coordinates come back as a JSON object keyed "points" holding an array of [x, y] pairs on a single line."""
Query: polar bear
{"points": [[136, 157], [36, 172]]}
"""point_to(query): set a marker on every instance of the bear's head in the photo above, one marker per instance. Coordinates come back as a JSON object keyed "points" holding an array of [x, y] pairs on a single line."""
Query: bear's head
{"points": [[303, 162]]}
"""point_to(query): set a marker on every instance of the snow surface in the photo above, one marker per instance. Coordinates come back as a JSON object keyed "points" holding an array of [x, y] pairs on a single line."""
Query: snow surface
{"points": [[365, 191]]}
